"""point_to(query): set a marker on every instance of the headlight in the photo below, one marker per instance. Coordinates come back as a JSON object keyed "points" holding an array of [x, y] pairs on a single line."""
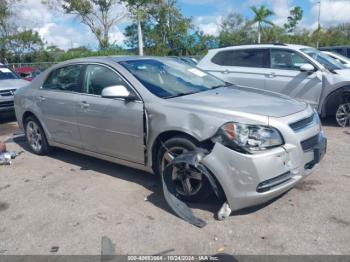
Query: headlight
{"points": [[248, 138]]}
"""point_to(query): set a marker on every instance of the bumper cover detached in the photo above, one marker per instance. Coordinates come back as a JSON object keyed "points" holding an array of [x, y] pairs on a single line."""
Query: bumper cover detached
{"points": [[250, 180], [180, 208]]}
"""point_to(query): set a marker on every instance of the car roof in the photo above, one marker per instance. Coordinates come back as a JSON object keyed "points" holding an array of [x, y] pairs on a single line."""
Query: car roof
{"points": [[286, 46], [116, 59]]}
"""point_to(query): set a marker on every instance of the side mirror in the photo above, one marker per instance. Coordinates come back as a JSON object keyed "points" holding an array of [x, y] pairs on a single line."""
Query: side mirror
{"points": [[308, 68], [117, 91]]}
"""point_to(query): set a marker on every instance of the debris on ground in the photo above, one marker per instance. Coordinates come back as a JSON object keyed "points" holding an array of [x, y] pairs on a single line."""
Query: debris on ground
{"points": [[224, 211], [54, 249], [221, 249], [7, 156]]}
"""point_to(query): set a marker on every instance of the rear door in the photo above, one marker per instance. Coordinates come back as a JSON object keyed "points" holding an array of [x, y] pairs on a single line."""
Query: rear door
{"points": [[246, 67], [112, 127], [286, 78], [57, 100]]}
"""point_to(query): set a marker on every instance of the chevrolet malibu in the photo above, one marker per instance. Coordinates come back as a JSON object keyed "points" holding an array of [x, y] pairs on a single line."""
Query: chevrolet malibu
{"points": [[143, 112]]}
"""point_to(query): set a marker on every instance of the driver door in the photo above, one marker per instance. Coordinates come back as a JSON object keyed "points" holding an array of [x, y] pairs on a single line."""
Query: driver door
{"points": [[286, 78], [112, 127]]}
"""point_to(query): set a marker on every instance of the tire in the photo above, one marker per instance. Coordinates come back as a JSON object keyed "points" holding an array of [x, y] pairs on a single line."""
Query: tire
{"points": [[342, 115], [35, 136], [200, 186]]}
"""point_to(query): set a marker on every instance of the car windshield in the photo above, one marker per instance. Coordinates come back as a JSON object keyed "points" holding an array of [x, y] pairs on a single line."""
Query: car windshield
{"points": [[336, 55], [6, 73], [167, 78], [325, 60]]}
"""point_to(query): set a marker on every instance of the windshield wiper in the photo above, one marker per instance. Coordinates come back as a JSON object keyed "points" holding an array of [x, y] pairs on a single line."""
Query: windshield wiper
{"points": [[181, 94], [224, 85]]}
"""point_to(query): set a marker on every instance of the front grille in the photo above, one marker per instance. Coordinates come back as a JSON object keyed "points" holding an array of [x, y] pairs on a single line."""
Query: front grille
{"points": [[270, 183], [309, 143], [298, 125], [6, 104], [9, 92]]}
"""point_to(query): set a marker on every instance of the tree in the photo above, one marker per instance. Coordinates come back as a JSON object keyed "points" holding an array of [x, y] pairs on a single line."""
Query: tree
{"points": [[261, 17], [296, 15], [235, 30], [6, 26], [138, 11], [165, 32], [99, 15], [24, 44]]}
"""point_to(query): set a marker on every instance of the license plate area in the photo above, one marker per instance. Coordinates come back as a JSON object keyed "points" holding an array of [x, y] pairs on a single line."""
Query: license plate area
{"points": [[319, 151]]}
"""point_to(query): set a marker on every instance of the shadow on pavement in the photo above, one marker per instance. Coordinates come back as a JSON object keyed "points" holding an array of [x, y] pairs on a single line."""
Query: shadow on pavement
{"points": [[147, 180], [7, 117]]}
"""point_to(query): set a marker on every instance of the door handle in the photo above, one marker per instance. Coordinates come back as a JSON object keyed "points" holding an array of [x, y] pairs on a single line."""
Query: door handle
{"points": [[272, 75], [84, 104], [225, 72], [42, 99]]}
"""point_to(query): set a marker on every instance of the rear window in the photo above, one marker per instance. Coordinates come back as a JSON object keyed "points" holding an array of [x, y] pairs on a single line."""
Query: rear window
{"points": [[244, 58]]}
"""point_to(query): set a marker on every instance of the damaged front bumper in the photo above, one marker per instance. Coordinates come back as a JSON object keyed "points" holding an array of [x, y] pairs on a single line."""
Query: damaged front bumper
{"points": [[252, 179]]}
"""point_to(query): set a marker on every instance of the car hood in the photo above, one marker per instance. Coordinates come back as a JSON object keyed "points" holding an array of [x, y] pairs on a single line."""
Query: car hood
{"points": [[12, 83], [242, 99]]}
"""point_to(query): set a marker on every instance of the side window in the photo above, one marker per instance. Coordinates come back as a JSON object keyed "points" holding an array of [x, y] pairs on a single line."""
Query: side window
{"points": [[65, 78], [287, 60], [243, 58], [98, 77]]}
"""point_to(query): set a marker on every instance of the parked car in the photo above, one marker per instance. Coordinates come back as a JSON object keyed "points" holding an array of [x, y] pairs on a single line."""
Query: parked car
{"points": [[298, 71], [340, 58], [192, 61], [143, 112], [342, 49], [9, 83], [27, 72]]}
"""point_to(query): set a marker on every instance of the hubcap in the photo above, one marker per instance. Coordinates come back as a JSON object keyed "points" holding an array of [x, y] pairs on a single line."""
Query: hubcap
{"points": [[187, 180], [34, 136], [343, 115]]}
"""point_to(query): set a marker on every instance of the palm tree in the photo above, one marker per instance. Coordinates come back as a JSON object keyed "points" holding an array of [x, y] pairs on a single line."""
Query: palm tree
{"points": [[261, 15]]}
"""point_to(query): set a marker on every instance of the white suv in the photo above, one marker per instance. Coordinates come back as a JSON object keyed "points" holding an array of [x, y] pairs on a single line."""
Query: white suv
{"points": [[301, 72]]}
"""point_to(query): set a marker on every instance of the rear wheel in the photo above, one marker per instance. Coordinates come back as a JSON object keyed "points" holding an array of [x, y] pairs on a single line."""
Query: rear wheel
{"points": [[343, 115], [189, 183], [35, 136]]}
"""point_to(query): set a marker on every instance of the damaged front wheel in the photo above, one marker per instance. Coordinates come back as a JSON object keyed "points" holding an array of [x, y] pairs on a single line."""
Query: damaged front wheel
{"points": [[190, 185]]}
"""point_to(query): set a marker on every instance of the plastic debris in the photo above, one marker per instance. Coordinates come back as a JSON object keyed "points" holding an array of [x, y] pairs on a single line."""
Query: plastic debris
{"points": [[54, 249], [6, 157], [224, 211], [180, 208]]}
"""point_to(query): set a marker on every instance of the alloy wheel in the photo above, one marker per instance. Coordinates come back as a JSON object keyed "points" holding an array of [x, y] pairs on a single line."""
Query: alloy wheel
{"points": [[343, 115], [34, 136], [187, 180]]}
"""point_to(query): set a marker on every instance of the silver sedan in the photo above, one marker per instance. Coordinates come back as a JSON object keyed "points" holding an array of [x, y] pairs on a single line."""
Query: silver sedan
{"points": [[143, 112]]}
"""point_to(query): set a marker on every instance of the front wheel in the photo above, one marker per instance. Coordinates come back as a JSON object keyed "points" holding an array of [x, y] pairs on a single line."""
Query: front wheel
{"points": [[343, 115], [190, 185]]}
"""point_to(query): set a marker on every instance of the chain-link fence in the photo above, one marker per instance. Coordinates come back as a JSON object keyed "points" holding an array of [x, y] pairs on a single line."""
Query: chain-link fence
{"points": [[39, 66]]}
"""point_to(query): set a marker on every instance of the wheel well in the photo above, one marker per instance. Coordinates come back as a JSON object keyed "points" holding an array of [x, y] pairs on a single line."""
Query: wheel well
{"points": [[207, 144], [334, 100], [26, 115]]}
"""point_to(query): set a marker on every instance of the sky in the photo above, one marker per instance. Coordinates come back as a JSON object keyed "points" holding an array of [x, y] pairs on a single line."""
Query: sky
{"points": [[65, 31]]}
